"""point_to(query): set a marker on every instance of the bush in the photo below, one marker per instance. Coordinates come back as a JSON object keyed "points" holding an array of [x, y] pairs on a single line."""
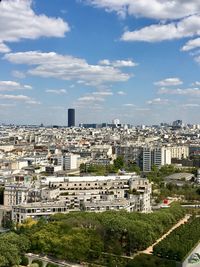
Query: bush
{"points": [[51, 265], [34, 265], [180, 242], [39, 263], [150, 261], [24, 261]]}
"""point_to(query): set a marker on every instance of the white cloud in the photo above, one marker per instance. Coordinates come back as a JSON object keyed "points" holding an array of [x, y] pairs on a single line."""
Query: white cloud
{"points": [[158, 101], [129, 105], [187, 27], [15, 97], [18, 74], [191, 105], [67, 68], [4, 48], [56, 91], [156, 9], [178, 91], [101, 93], [12, 86], [196, 83], [121, 93], [169, 82], [33, 102], [192, 44], [19, 21], [29, 87], [90, 98], [118, 63], [142, 109]]}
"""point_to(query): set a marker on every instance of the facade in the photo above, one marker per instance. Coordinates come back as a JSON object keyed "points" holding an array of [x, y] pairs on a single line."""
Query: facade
{"points": [[37, 210], [97, 194], [15, 194], [71, 117], [179, 152], [70, 162], [158, 156], [129, 153]]}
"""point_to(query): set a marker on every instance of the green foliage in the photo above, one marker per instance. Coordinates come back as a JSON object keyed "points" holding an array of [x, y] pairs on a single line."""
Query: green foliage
{"points": [[150, 261], [12, 247], [24, 261], [157, 175], [51, 265], [83, 236], [38, 262], [181, 241], [119, 163], [132, 167]]}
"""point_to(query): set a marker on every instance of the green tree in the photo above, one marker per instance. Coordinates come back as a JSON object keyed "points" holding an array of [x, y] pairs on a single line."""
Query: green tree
{"points": [[119, 163]]}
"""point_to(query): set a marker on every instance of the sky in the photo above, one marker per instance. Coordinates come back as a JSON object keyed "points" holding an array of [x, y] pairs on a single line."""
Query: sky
{"points": [[134, 60]]}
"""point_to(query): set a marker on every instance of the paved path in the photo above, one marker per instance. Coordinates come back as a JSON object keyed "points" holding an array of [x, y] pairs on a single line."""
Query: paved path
{"points": [[52, 260], [149, 250]]}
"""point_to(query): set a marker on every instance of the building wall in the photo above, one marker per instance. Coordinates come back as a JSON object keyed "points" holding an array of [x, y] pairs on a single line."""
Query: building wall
{"points": [[179, 152]]}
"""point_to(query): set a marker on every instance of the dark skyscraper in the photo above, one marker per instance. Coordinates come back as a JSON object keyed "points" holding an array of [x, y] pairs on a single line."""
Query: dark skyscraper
{"points": [[71, 117]]}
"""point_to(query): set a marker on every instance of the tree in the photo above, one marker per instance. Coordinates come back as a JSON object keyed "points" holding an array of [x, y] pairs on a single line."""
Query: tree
{"points": [[24, 261], [38, 262], [119, 163], [82, 167]]}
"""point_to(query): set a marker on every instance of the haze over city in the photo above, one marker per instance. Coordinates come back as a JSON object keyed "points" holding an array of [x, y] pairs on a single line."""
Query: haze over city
{"points": [[107, 59]]}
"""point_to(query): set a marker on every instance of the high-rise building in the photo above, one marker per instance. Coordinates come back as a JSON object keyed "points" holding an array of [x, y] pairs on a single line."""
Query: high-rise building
{"points": [[71, 117], [158, 156]]}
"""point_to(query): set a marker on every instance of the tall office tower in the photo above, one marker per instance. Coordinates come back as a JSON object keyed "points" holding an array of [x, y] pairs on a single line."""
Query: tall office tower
{"points": [[71, 117]]}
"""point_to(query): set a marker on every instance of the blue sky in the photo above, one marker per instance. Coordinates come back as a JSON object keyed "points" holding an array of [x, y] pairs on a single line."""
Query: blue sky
{"points": [[133, 60]]}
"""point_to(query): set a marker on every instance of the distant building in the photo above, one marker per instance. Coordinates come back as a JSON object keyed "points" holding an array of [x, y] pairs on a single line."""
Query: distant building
{"points": [[15, 194], [70, 162], [116, 121], [157, 156], [179, 152], [177, 123], [71, 117]]}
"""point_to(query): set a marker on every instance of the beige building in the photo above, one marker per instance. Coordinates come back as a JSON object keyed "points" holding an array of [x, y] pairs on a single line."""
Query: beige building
{"points": [[179, 152], [15, 194]]}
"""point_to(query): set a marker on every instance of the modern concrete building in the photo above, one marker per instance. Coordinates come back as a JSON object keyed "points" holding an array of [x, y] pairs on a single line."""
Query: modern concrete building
{"points": [[158, 156], [89, 193], [36, 210]]}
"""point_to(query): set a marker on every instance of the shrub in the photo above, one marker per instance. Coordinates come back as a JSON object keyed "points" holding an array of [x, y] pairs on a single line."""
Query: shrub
{"points": [[39, 263], [24, 261], [51, 265]]}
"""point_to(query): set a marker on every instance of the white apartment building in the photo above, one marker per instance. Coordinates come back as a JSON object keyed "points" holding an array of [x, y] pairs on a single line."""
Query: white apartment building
{"points": [[15, 194], [158, 156], [179, 152], [68, 161], [93, 193], [95, 189]]}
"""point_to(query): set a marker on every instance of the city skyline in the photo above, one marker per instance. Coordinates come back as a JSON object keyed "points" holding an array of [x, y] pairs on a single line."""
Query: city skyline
{"points": [[104, 58]]}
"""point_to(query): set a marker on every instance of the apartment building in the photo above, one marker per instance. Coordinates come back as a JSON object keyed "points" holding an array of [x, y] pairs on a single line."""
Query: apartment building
{"points": [[15, 194], [179, 152], [157, 156]]}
